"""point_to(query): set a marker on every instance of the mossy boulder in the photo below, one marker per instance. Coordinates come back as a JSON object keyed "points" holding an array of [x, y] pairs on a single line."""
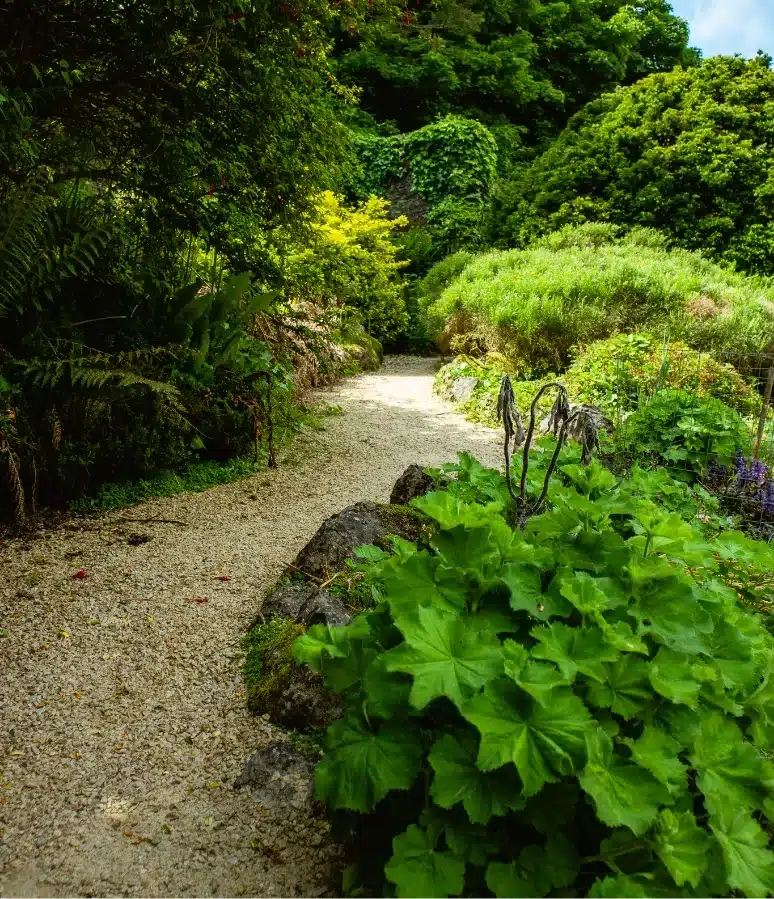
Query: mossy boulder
{"points": [[292, 695]]}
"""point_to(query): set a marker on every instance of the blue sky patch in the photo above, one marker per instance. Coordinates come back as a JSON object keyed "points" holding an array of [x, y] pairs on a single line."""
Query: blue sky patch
{"points": [[729, 26]]}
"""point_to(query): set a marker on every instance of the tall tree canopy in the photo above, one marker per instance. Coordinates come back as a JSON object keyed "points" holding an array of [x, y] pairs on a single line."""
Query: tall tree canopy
{"points": [[689, 152], [528, 62]]}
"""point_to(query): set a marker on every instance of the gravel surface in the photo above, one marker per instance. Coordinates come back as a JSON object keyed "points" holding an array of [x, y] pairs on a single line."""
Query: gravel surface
{"points": [[123, 722]]}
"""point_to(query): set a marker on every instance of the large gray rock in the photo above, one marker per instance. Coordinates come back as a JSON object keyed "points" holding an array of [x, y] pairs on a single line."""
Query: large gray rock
{"points": [[336, 539], [306, 604], [287, 600], [412, 483], [279, 777], [462, 388], [322, 608]]}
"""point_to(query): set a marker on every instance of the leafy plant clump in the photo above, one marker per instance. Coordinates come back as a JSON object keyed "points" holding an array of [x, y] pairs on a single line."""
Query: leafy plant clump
{"points": [[618, 373], [576, 707], [685, 432]]}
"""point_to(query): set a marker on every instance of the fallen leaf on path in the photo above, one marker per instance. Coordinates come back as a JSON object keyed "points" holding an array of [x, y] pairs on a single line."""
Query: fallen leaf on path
{"points": [[136, 838], [81, 574], [223, 577]]}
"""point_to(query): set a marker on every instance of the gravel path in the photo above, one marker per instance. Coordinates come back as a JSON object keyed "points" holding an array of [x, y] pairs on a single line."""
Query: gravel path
{"points": [[123, 721]]}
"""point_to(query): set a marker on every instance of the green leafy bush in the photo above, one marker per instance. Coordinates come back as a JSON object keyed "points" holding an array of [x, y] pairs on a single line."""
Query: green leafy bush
{"points": [[579, 707], [685, 432], [685, 151], [617, 373], [534, 305], [350, 260]]}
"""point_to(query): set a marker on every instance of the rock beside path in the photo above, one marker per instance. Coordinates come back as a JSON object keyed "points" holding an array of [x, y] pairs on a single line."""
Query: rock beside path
{"points": [[280, 777], [411, 484], [305, 604], [336, 539]]}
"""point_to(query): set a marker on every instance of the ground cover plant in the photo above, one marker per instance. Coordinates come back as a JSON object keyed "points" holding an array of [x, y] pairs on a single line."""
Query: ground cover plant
{"points": [[534, 305], [576, 706]]}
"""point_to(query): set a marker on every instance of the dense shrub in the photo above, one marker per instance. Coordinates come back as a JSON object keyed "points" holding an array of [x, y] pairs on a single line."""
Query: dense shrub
{"points": [[617, 374], [351, 260], [687, 152], [685, 432], [579, 707], [533, 305]]}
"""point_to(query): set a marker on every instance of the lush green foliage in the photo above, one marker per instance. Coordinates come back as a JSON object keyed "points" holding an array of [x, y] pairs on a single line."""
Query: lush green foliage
{"points": [[687, 152], [440, 176], [534, 305], [619, 373], [136, 184], [685, 432], [577, 706], [525, 66], [349, 260]]}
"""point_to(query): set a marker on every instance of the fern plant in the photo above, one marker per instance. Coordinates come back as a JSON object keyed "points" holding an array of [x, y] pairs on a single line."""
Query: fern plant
{"points": [[43, 241]]}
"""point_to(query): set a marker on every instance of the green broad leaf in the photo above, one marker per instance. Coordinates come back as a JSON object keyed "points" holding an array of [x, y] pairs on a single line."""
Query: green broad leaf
{"points": [[739, 547], [761, 710], [370, 553], [418, 869], [536, 871], [656, 751], [417, 582], [447, 655], [541, 809], [618, 886], [729, 769], [524, 584], [467, 552], [528, 876], [624, 794], [748, 860], [620, 636], [544, 742], [584, 593], [623, 851], [678, 677], [625, 690], [451, 511], [730, 654], [319, 642], [536, 678], [361, 766], [387, 694], [670, 612], [681, 723], [471, 842], [574, 649], [562, 859], [682, 846], [458, 779]]}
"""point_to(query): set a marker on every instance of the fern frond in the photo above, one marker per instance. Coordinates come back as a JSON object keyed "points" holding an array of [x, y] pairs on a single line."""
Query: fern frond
{"points": [[42, 243], [97, 373]]}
